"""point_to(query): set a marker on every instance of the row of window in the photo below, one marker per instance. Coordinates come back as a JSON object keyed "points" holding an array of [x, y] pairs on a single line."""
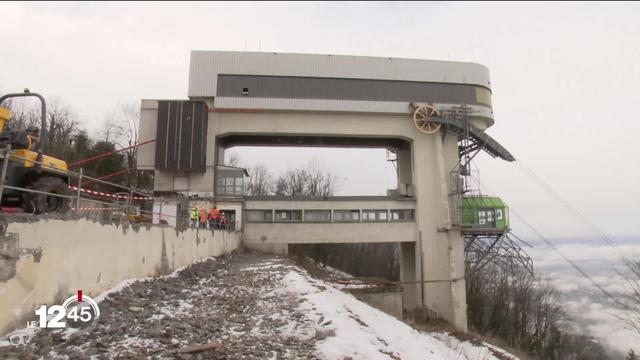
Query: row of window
{"points": [[326, 215]]}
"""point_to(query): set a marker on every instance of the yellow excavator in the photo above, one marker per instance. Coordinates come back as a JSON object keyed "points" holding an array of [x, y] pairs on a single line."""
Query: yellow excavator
{"points": [[29, 168]]}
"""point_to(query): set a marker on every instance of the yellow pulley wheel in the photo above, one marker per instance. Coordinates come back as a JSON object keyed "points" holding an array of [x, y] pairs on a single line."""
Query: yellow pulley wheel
{"points": [[422, 119]]}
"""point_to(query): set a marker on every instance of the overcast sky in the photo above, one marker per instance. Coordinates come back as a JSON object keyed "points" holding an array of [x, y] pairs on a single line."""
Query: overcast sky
{"points": [[566, 78]]}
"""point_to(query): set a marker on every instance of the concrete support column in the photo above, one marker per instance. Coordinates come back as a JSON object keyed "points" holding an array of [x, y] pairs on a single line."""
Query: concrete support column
{"points": [[442, 248], [409, 271], [458, 284], [405, 175]]}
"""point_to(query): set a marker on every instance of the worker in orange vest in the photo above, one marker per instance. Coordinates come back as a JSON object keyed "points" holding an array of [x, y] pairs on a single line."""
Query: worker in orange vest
{"points": [[214, 216], [203, 218]]}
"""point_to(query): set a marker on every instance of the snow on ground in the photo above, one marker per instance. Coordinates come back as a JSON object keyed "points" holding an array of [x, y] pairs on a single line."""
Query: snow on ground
{"points": [[363, 332], [258, 307]]}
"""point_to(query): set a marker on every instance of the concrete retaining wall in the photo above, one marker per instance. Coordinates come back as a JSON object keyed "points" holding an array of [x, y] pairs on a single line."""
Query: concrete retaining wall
{"points": [[46, 261], [387, 300]]}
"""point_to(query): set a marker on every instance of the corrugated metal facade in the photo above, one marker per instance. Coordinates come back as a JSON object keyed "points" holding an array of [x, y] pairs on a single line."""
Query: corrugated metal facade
{"points": [[181, 136]]}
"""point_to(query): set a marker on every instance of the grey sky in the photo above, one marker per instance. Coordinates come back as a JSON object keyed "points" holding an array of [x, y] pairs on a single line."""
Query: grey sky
{"points": [[566, 80]]}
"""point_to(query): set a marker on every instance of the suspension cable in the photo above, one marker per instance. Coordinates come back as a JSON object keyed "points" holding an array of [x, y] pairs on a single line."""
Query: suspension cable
{"points": [[575, 266], [588, 223]]}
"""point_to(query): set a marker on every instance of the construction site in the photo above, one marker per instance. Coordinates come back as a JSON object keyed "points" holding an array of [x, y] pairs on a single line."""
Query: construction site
{"points": [[431, 115], [165, 246]]}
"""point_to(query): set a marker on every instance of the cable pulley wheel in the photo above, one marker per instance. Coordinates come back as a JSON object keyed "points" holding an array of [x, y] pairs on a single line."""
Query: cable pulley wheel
{"points": [[422, 119]]}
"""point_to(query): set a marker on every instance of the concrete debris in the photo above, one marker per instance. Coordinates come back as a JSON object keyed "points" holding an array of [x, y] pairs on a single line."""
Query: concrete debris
{"points": [[219, 301], [199, 348]]}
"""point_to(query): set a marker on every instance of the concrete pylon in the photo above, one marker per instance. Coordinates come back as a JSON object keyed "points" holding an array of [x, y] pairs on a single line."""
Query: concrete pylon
{"points": [[436, 260]]}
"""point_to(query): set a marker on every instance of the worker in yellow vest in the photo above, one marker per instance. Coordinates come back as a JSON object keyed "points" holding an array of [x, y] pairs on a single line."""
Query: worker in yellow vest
{"points": [[194, 216]]}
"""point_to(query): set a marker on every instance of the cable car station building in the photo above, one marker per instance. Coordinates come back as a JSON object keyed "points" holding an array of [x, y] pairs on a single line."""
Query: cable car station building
{"points": [[430, 114]]}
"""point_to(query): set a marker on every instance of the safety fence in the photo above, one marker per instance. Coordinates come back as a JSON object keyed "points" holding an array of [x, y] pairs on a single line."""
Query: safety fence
{"points": [[126, 201]]}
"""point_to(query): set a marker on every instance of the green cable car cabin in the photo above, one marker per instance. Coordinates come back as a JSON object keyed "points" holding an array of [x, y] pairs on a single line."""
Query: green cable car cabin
{"points": [[484, 215]]}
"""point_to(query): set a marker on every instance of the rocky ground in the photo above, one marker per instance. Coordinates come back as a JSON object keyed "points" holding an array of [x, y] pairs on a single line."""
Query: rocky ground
{"points": [[225, 301], [244, 306]]}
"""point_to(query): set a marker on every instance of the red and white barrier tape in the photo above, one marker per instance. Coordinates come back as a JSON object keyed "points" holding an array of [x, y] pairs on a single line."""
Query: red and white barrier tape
{"points": [[100, 193], [99, 209]]}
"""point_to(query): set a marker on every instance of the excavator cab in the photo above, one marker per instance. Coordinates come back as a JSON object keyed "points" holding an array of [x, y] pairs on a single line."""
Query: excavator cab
{"points": [[29, 168]]}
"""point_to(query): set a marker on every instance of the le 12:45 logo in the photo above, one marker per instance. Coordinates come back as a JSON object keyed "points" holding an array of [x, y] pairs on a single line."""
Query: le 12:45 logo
{"points": [[76, 312]]}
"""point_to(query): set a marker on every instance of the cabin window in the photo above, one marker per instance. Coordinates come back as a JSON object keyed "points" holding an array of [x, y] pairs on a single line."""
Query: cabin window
{"points": [[486, 218]]}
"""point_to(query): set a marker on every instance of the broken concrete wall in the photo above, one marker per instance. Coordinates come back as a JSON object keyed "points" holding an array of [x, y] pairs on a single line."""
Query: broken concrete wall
{"points": [[46, 261]]}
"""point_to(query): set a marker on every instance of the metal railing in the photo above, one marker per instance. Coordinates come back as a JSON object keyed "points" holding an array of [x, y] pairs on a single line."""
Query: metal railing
{"points": [[120, 204], [127, 200]]}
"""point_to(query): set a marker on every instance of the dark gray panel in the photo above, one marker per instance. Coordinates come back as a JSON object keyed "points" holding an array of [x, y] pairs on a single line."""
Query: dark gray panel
{"points": [[311, 141], [161, 135], [172, 148], [289, 87], [181, 136], [185, 135], [199, 137]]}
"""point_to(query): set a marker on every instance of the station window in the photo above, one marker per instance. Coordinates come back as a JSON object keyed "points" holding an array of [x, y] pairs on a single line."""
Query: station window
{"points": [[346, 215], [374, 215], [317, 215], [230, 185], [402, 215], [259, 216], [288, 215]]}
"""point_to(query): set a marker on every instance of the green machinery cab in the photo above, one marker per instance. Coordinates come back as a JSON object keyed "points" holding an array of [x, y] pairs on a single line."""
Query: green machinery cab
{"points": [[484, 215]]}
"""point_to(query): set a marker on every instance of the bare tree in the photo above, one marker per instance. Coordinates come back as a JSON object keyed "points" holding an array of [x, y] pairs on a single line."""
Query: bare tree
{"points": [[122, 128], [233, 159], [260, 181], [23, 116], [320, 181], [311, 180], [630, 304], [110, 128], [292, 183], [63, 124]]}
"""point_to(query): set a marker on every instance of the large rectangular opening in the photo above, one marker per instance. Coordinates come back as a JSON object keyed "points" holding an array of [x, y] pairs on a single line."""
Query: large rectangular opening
{"points": [[310, 172]]}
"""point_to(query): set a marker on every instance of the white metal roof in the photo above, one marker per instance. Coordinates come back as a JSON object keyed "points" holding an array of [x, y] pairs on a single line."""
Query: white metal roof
{"points": [[206, 65]]}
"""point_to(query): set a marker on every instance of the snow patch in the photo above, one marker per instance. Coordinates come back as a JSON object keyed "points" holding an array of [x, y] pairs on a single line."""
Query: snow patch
{"points": [[344, 326]]}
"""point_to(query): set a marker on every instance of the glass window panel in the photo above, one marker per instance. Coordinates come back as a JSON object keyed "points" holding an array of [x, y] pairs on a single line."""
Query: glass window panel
{"points": [[317, 215], [402, 215], [346, 215], [374, 215], [259, 216], [288, 215]]}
